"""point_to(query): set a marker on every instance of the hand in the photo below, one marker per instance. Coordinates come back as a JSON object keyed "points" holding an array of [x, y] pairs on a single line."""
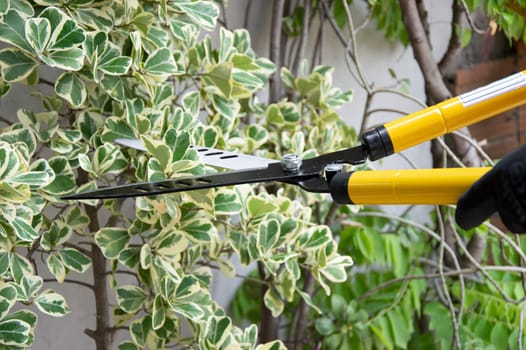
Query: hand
{"points": [[502, 189]]}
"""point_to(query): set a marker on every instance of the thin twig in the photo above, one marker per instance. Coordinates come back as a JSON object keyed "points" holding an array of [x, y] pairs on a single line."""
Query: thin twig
{"points": [[353, 45], [470, 20], [428, 276], [81, 283], [454, 319], [474, 143]]}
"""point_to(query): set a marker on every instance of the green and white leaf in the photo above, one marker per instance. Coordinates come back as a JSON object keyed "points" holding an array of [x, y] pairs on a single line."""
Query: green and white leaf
{"points": [[112, 240], [16, 65], [38, 32], [52, 303], [160, 62], [14, 332], [130, 298], [74, 260], [70, 87]]}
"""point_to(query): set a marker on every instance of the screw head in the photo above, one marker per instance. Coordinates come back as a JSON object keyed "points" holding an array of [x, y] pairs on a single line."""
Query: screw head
{"points": [[331, 170], [291, 162]]}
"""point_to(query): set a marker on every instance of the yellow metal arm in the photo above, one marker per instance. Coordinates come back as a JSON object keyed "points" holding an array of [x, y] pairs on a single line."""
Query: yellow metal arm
{"points": [[447, 116], [419, 186]]}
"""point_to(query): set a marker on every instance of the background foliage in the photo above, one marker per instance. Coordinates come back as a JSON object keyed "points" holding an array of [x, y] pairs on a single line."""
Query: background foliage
{"points": [[150, 70]]}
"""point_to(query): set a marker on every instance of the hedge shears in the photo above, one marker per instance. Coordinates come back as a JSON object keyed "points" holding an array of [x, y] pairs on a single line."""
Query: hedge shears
{"points": [[328, 173]]}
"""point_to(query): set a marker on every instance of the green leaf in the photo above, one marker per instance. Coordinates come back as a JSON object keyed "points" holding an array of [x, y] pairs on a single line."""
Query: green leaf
{"points": [[274, 345], [226, 202], [268, 235], [130, 298], [23, 230], [466, 37], [499, 334], [116, 66], [220, 76], [191, 102], [226, 107], [273, 302], [324, 326], [159, 150], [67, 59], [20, 266], [12, 30], [4, 263], [76, 218], [244, 62], [55, 236], [258, 206], [56, 267], [189, 310], [14, 332], [32, 178], [145, 256], [287, 77], [203, 13], [158, 313], [139, 330], [108, 159], [199, 230], [74, 260], [64, 181], [217, 329], [66, 32], [16, 65], [112, 240], [52, 303], [4, 6], [37, 33], [71, 88], [115, 86], [115, 128], [30, 284], [6, 305], [160, 62], [128, 345], [335, 270], [317, 237]]}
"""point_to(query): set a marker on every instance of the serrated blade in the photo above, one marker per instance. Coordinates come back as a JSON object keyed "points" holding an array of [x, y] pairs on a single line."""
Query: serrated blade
{"points": [[214, 157], [274, 172]]}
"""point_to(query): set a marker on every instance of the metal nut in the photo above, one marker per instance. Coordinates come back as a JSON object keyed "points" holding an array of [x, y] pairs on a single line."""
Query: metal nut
{"points": [[291, 162]]}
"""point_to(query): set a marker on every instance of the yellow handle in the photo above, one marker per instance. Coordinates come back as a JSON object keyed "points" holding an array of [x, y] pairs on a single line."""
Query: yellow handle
{"points": [[420, 186], [457, 112]]}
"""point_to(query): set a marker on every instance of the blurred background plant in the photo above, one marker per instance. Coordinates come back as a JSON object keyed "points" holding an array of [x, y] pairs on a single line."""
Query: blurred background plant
{"points": [[152, 70]]}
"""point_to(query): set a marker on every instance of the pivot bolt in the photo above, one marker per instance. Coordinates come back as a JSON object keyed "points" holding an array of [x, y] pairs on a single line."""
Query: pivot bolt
{"points": [[291, 162], [331, 170]]}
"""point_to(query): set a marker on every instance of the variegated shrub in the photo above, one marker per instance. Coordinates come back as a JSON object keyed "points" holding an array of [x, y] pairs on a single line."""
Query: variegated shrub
{"points": [[145, 69]]}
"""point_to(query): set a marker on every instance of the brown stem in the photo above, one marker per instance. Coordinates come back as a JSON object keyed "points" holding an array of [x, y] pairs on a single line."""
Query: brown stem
{"points": [[300, 54], [102, 337], [434, 83], [269, 325], [454, 45], [301, 315], [275, 49]]}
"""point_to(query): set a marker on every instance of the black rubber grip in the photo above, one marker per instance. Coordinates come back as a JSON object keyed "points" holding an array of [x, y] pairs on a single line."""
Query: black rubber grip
{"points": [[340, 189], [378, 143]]}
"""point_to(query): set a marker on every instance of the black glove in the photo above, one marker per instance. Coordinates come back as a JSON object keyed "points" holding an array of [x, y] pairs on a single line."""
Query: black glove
{"points": [[502, 189]]}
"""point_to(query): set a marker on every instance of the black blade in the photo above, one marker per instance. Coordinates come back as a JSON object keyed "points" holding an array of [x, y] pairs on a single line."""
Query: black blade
{"points": [[310, 177], [273, 173]]}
